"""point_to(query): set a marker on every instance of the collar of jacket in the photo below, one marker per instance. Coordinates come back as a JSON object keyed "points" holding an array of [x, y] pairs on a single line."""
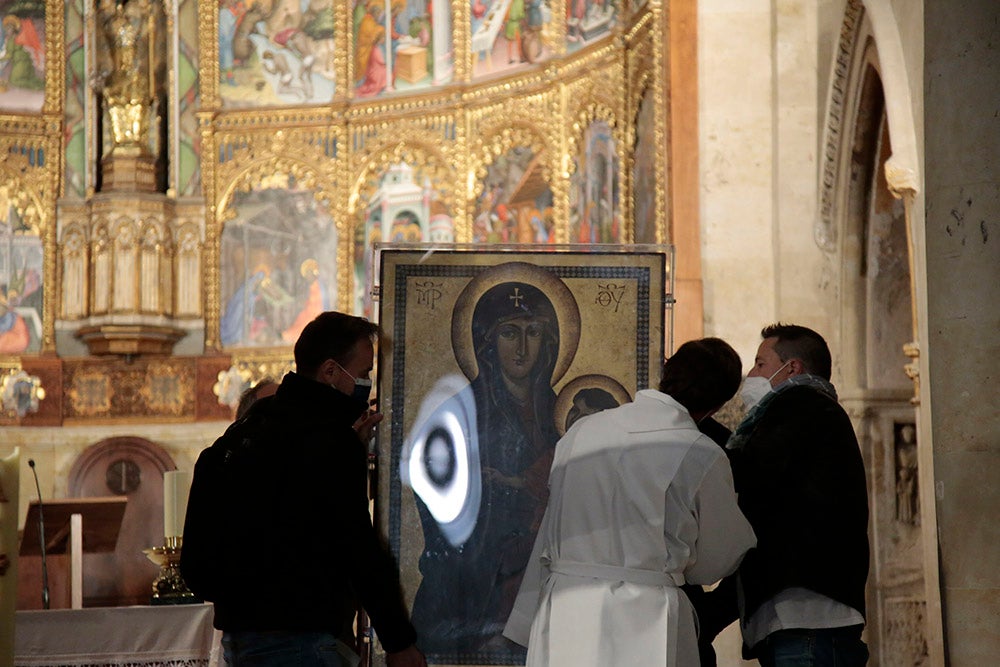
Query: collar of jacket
{"points": [[317, 401], [750, 420]]}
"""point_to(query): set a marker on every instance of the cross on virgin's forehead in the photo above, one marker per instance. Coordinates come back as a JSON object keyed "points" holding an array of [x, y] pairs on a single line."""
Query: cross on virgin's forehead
{"points": [[516, 297]]}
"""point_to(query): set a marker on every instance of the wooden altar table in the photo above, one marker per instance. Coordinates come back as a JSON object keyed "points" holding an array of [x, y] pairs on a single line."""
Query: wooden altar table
{"points": [[161, 636]]}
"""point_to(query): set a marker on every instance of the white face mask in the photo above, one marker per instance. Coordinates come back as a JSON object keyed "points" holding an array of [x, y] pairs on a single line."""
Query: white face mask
{"points": [[756, 388]]}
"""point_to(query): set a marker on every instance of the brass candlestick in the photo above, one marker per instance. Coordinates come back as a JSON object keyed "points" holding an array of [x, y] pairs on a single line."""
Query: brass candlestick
{"points": [[169, 586]]}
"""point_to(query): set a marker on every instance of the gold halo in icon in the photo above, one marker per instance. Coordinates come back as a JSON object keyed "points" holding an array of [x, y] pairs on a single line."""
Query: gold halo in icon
{"points": [[564, 401], [567, 313]]}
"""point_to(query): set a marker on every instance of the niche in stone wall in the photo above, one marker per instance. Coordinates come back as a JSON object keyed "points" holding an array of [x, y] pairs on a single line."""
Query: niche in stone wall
{"points": [[905, 450], [132, 467]]}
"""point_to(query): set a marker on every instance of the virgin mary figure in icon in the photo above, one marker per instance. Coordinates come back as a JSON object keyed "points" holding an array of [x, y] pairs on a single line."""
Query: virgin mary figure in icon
{"points": [[468, 589]]}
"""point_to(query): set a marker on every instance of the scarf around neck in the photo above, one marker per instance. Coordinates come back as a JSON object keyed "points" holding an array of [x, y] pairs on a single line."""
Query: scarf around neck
{"points": [[742, 433]]}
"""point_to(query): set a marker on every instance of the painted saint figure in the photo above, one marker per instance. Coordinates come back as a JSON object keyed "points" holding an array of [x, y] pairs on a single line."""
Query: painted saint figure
{"points": [[369, 58], [21, 55]]}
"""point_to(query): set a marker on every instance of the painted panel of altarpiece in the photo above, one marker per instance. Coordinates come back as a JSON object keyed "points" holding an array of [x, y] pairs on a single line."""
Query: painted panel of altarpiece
{"points": [[402, 205], [401, 45], [22, 55], [276, 53], [488, 357], [507, 34], [276, 265], [594, 193], [20, 282], [515, 205]]}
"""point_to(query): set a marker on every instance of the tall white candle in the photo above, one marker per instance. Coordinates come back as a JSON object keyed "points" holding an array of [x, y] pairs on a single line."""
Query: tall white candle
{"points": [[10, 476], [176, 485]]}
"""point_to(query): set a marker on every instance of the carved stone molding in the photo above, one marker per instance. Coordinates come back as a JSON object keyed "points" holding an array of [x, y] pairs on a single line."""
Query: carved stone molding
{"points": [[905, 643], [834, 131]]}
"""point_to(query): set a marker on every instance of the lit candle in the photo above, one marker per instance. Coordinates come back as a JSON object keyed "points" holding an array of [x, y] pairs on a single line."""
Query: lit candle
{"points": [[176, 484]]}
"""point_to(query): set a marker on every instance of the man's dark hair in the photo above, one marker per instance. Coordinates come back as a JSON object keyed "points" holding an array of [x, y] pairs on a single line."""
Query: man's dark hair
{"points": [[597, 398], [331, 335], [702, 374], [802, 343]]}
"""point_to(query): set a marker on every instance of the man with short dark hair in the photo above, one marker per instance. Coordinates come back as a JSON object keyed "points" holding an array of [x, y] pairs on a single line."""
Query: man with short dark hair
{"points": [[801, 483], [278, 532], [640, 502]]}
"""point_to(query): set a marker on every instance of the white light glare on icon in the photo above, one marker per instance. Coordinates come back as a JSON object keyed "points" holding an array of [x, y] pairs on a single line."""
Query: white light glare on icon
{"points": [[440, 460]]}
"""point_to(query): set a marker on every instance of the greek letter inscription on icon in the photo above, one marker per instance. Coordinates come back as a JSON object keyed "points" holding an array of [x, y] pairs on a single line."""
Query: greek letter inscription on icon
{"points": [[610, 295], [428, 293]]}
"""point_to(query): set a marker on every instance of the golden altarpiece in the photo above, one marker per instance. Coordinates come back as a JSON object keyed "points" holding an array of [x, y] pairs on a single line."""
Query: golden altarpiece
{"points": [[184, 184], [193, 177]]}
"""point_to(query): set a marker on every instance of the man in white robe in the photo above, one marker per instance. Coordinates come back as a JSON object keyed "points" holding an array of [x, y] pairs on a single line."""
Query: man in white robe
{"points": [[640, 503]]}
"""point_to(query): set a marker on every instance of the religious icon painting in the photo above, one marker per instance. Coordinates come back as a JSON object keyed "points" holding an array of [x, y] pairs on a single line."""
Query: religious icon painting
{"points": [[489, 356], [594, 191], [278, 251], [400, 45], [275, 53], [22, 55], [515, 205], [507, 34]]}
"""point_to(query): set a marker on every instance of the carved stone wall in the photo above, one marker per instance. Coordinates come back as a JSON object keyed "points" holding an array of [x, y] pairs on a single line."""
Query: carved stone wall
{"points": [[864, 226]]}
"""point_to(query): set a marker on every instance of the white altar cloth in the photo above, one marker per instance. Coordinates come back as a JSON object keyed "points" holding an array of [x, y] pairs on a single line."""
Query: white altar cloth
{"points": [[168, 636]]}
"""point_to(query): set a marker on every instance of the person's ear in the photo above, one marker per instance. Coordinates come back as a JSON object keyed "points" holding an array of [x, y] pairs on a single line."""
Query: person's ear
{"points": [[327, 371], [795, 367]]}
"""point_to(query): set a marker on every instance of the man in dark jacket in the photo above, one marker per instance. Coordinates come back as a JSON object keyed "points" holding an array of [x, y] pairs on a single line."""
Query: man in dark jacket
{"points": [[709, 608], [278, 534], [801, 482]]}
